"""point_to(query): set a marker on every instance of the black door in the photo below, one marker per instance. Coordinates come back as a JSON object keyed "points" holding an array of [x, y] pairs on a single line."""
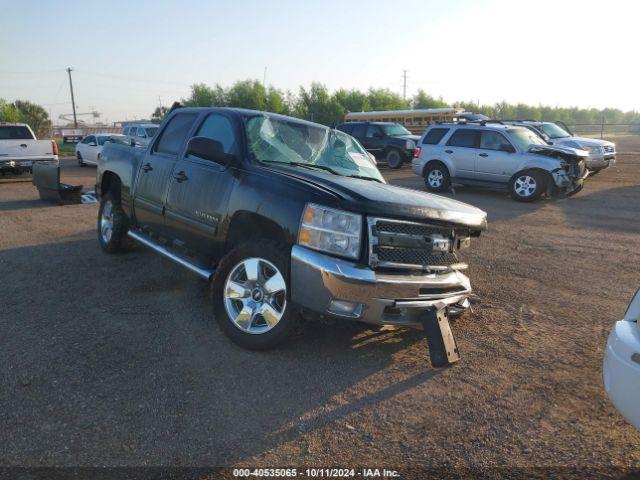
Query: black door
{"points": [[199, 191], [155, 172], [373, 139]]}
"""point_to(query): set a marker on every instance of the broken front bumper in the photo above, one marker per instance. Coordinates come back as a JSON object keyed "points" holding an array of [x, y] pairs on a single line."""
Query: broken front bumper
{"points": [[334, 287]]}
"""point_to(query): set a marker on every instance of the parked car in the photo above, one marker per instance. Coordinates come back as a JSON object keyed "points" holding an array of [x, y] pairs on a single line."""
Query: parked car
{"points": [[497, 155], [622, 364], [20, 150], [602, 153], [390, 141], [284, 216], [89, 149], [140, 134]]}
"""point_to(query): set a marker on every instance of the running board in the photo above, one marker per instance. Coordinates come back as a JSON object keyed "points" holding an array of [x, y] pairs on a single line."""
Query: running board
{"points": [[145, 240]]}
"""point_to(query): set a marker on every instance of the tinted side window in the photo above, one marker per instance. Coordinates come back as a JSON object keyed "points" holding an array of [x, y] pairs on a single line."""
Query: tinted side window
{"points": [[358, 130], [218, 127], [435, 135], [141, 132], [345, 127], [463, 138], [86, 140], [132, 131], [492, 140], [372, 130], [174, 134], [91, 139]]}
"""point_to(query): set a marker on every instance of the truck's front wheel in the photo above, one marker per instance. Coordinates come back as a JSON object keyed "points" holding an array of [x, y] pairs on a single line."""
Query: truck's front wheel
{"points": [[251, 299]]}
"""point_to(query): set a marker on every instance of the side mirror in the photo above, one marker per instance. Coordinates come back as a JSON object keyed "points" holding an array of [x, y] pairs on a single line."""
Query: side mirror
{"points": [[93, 144], [507, 148], [208, 149]]}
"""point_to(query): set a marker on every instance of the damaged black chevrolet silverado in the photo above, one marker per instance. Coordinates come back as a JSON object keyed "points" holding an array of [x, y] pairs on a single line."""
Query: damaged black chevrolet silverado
{"points": [[286, 218]]}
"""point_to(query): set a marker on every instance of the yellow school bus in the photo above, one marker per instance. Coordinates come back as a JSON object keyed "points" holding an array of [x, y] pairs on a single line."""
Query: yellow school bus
{"points": [[414, 120]]}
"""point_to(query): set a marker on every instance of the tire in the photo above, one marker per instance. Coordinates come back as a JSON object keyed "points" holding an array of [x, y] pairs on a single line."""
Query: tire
{"points": [[594, 172], [393, 158], [527, 186], [113, 225], [254, 278], [436, 177], [80, 161]]}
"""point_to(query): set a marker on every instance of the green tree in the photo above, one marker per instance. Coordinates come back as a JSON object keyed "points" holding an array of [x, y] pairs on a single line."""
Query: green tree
{"points": [[352, 100], [423, 100], [33, 115], [158, 114], [317, 105], [204, 96], [8, 112], [385, 99]]}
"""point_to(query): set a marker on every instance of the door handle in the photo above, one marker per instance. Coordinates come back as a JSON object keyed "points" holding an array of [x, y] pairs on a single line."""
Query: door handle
{"points": [[23, 145], [448, 151], [483, 155], [181, 177], [147, 167]]}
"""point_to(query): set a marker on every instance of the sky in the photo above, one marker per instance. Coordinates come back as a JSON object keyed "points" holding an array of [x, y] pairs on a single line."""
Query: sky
{"points": [[129, 57]]}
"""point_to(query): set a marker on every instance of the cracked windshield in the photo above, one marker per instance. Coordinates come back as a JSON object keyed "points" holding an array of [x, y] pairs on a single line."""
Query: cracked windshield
{"points": [[302, 145]]}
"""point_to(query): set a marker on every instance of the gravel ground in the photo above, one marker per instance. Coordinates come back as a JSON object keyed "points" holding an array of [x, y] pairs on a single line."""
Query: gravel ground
{"points": [[115, 360]]}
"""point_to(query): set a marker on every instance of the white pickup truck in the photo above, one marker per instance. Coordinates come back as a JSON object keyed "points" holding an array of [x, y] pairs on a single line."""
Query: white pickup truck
{"points": [[19, 148]]}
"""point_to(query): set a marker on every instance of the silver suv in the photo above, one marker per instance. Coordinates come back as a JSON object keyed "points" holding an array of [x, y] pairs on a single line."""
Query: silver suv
{"points": [[602, 153], [493, 154], [140, 134]]}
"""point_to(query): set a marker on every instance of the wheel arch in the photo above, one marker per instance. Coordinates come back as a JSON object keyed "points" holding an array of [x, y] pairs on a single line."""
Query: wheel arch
{"points": [[111, 182], [247, 226], [436, 160]]}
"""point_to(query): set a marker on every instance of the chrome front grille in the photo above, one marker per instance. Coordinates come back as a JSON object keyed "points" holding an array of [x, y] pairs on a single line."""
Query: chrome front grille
{"points": [[609, 149], [410, 245]]}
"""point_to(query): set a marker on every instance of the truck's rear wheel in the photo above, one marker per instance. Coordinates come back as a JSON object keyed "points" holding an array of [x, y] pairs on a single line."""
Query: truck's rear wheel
{"points": [[251, 299], [113, 225]]}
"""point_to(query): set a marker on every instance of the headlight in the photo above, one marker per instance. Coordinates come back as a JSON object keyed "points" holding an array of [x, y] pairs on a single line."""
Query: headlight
{"points": [[410, 145], [332, 231], [595, 150]]}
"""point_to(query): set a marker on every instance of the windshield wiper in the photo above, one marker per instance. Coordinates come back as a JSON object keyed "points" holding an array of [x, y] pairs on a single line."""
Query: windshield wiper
{"points": [[362, 177], [304, 165]]}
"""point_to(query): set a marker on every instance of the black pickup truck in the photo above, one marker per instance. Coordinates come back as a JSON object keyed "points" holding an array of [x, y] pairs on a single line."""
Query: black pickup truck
{"points": [[287, 219]]}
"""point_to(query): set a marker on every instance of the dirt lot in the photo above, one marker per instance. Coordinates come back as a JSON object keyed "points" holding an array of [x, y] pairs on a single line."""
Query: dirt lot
{"points": [[115, 360]]}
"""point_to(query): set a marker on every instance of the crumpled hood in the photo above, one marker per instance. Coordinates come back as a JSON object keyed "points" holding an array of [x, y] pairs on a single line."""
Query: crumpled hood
{"points": [[543, 149], [380, 199]]}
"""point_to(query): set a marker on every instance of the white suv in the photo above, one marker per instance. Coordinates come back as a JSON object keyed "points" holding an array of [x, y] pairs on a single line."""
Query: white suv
{"points": [[492, 154]]}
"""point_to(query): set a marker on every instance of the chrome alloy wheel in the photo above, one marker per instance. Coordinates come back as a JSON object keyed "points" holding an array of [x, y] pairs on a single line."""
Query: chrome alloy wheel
{"points": [[255, 295], [435, 178], [525, 185], [106, 221]]}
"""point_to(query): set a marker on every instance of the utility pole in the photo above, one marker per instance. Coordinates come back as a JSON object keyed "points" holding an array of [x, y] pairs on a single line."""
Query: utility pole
{"points": [[404, 85], [73, 101]]}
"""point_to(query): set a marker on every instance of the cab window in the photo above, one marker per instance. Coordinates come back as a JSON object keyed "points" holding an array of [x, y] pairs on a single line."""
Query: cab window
{"points": [[174, 134], [218, 127]]}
